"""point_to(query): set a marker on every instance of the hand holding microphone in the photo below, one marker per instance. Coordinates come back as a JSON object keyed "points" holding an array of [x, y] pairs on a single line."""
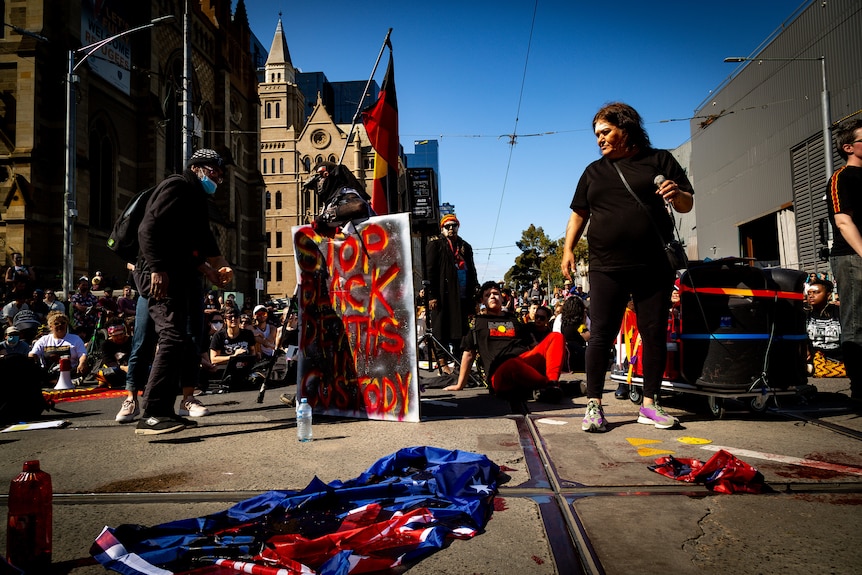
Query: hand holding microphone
{"points": [[670, 192]]}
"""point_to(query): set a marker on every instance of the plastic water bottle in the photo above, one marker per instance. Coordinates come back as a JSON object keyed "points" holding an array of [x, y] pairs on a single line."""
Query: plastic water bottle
{"points": [[30, 519], [303, 420]]}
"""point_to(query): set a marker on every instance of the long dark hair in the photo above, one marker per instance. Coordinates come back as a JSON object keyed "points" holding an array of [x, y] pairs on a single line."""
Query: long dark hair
{"points": [[628, 120], [574, 311]]}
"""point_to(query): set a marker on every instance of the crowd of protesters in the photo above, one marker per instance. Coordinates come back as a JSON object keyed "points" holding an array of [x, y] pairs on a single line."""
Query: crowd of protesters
{"points": [[93, 328]]}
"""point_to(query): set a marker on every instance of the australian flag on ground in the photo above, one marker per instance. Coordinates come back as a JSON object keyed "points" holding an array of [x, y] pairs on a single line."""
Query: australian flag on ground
{"points": [[403, 508]]}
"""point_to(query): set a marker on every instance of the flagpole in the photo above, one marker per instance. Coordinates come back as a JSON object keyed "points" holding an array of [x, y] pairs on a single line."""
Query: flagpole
{"points": [[386, 42]]}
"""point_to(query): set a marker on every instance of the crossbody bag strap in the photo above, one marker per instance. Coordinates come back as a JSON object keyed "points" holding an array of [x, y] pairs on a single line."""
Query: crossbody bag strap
{"points": [[643, 205]]}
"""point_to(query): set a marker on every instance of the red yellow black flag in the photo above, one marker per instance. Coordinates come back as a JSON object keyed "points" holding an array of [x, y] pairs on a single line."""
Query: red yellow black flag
{"points": [[381, 124]]}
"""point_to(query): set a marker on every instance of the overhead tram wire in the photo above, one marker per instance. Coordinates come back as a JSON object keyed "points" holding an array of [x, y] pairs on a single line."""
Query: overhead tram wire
{"points": [[513, 137]]}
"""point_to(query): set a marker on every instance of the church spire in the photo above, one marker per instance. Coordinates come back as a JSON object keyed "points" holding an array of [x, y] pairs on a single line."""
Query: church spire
{"points": [[279, 68]]}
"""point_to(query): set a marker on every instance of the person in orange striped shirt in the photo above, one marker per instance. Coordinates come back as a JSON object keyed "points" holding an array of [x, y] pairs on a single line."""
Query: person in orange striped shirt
{"points": [[844, 196]]}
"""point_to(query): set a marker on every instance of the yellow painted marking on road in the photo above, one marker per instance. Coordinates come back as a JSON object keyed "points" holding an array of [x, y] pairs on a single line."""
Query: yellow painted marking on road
{"points": [[650, 452], [694, 440], [640, 441]]}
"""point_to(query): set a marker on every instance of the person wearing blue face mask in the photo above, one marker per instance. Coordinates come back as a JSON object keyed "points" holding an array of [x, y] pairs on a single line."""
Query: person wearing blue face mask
{"points": [[13, 344], [177, 248]]}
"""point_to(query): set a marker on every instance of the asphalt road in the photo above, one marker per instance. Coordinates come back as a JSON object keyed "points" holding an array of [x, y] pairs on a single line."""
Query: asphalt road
{"points": [[571, 502]]}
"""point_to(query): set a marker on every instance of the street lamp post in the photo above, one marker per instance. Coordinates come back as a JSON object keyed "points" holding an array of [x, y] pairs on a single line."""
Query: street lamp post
{"points": [[70, 211], [824, 102]]}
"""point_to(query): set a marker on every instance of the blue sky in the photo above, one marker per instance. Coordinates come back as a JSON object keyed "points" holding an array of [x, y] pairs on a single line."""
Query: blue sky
{"points": [[467, 73]]}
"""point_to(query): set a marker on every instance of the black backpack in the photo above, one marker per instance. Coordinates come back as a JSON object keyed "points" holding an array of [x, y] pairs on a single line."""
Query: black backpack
{"points": [[123, 240]]}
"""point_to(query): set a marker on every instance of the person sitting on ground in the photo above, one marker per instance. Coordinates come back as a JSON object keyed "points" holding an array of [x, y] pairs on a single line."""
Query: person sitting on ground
{"points": [[264, 332], [16, 304], [211, 305], [13, 344], [540, 327], [214, 324], [513, 363], [38, 305], [27, 323], [83, 307], [824, 332], [53, 303], [573, 326], [114, 363], [50, 348], [126, 304], [107, 302], [232, 341]]}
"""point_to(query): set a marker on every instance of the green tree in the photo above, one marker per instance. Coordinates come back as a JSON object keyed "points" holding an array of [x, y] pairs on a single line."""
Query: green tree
{"points": [[551, 266], [536, 247]]}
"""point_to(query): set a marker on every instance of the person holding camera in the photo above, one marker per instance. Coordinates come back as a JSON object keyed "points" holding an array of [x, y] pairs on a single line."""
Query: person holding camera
{"points": [[452, 283], [627, 256]]}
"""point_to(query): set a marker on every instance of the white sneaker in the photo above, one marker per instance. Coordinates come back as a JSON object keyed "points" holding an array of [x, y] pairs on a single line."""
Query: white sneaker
{"points": [[192, 407], [129, 411]]}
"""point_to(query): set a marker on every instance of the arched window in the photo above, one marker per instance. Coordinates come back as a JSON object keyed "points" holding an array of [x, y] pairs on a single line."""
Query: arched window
{"points": [[278, 110], [306, 163], [278, 200], [268, 111], [268, 201], [264, 165], [272, 165], [281, 165]]}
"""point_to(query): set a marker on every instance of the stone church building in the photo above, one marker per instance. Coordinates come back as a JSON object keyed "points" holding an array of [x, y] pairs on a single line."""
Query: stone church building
{"points": [[128, 126], [291, 144]]}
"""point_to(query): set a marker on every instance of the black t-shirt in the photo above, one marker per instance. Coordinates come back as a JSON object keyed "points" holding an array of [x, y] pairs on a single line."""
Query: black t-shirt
{"points": [[226, 345], [844, 196], [118, 353], [497, 338], [620, 235]]}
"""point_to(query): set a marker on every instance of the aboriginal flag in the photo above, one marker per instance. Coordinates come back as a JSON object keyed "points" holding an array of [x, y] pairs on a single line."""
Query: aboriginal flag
{"points": [[403, 508], [381, 123]]}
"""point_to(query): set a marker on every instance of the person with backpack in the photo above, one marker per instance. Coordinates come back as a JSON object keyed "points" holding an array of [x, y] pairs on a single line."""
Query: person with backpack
{"points": [[177, 248]]}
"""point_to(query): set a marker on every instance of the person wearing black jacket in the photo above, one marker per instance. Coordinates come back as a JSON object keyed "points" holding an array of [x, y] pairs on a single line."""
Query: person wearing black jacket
{"points": [[452, 285], [177, 248]]}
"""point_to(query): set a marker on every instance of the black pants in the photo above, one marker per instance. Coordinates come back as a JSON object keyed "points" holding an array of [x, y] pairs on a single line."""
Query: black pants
{"points": [[178, 321], [609, 294]]}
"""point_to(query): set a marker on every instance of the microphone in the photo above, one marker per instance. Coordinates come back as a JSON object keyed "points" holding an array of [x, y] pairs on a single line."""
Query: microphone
{"points": [[658, 181]]}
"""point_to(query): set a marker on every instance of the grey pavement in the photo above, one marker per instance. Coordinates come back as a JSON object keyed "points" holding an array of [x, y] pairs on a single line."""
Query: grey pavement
{"points": [[571, 502]]}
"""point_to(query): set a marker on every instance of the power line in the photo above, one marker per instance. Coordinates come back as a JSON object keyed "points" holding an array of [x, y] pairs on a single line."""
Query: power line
{"points": [[513, 138]]}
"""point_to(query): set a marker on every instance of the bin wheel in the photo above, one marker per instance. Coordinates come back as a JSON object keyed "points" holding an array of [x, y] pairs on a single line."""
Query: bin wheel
{"points": [[759, 403], [716, 406], [636, 394]]}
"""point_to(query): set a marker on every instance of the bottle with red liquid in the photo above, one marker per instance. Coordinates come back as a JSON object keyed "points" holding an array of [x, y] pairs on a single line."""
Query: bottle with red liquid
{"points": [[29, 526]]}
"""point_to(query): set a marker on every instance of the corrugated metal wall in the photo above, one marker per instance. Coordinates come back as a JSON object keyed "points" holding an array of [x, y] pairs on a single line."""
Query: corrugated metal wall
{"points": [[746, 162]]}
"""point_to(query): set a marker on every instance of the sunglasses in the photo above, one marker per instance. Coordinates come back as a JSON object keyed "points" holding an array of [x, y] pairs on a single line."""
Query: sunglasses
{"points": [[451, 226], [215, 174]]}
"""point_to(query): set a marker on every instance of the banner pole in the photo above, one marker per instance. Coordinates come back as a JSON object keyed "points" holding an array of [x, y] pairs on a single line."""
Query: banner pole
{"points": [[386, 43]]}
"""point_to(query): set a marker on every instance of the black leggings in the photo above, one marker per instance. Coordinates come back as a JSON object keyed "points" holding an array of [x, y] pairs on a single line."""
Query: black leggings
{"points": [[609, 294]]}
